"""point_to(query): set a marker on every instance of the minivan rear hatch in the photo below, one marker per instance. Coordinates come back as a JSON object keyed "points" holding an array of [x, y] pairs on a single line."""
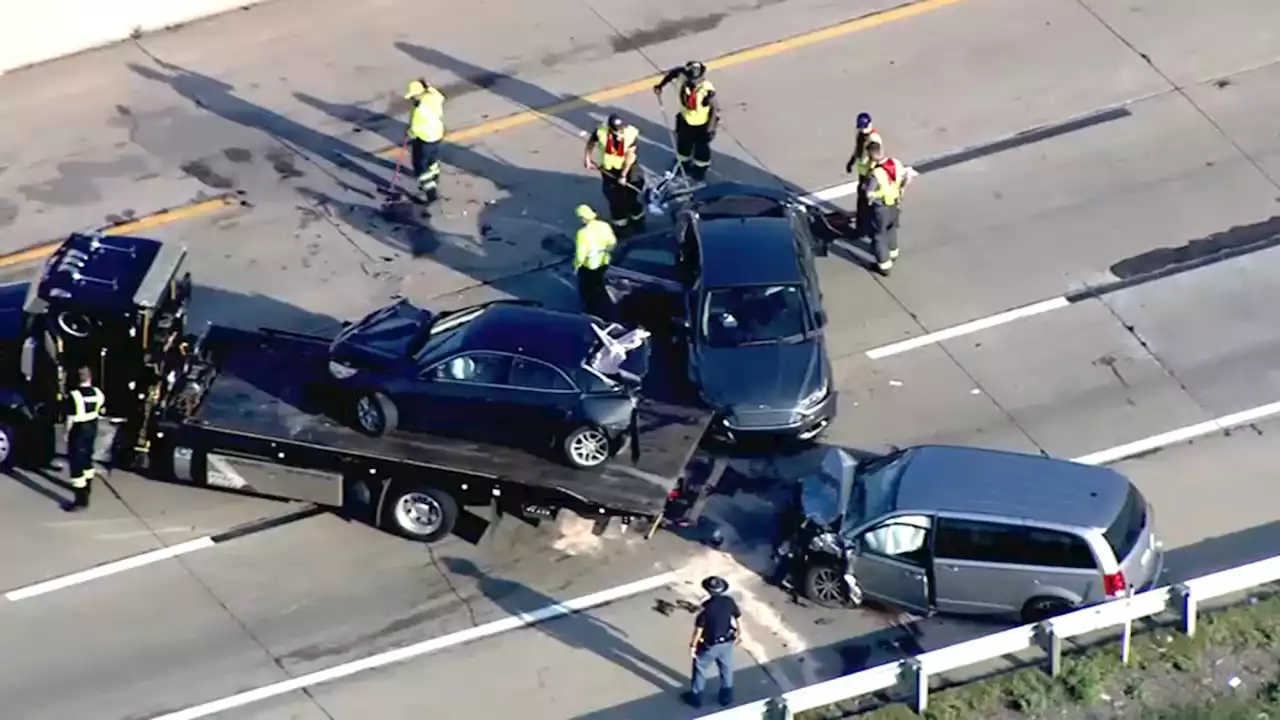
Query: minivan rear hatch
{"points": [[1131, 536]]}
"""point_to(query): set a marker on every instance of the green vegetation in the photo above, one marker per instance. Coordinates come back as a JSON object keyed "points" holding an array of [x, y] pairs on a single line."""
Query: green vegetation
{"points": [[1229, 671]]}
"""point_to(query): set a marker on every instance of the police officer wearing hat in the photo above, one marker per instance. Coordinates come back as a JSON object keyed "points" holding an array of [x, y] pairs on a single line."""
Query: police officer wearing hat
{"points": [[715, 631]]}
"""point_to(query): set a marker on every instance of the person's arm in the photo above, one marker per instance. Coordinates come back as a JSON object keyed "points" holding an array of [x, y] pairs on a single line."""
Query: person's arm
{"points": [[696, 639], [630, 162], [667, 79], [579, 251], [713, 104], [735, 621], [587, 161]]}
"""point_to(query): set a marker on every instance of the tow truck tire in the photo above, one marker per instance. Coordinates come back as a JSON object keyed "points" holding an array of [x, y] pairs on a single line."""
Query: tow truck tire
{"points": [[587, 447], [415, 512], [8, 446], [375, 414]]}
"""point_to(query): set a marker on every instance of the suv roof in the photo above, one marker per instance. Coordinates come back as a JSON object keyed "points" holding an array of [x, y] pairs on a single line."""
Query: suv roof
{"points": [[994, 482], [748, 251]]}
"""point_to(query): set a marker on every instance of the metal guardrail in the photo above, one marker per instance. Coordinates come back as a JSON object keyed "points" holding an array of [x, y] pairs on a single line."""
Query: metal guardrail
{"points": [[913, 674]]}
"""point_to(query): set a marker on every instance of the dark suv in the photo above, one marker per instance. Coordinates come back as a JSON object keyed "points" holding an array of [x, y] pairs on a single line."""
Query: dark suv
{"points": [[737, 282]]}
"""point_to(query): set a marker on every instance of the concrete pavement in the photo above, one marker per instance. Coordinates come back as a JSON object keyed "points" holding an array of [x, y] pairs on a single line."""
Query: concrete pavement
{"points": [[253, 104]]}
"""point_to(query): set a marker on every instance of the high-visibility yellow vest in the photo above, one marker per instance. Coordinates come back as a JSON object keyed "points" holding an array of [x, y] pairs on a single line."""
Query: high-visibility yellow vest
{"points": [[427, 122], [888, 189], [693, 103], [592, 246], [86, 404], [613, 152], [862, 165]]}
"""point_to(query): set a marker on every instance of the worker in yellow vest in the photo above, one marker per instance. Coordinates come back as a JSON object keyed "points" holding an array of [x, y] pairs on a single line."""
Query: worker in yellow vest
{"points": [[698, 119], [426, 131], [858, 161], [879, 206], [84, 405], [611, 149], [592, 247]]}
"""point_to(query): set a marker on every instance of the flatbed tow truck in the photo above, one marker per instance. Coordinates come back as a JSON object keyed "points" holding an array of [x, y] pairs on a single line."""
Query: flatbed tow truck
{"points": [[242, 411]]}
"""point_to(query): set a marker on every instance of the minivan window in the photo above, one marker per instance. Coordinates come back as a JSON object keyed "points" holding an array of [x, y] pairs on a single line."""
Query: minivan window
{"points": [[1125, 531], [1010, 544]]}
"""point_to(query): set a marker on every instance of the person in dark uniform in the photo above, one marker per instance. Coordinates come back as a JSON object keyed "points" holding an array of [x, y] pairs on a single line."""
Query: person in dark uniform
{"points": [[715, 632], [85, 404]]}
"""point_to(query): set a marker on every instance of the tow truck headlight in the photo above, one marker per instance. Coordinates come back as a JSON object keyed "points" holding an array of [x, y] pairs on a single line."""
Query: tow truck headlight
{"points": [[340, 371], [815, 398]]}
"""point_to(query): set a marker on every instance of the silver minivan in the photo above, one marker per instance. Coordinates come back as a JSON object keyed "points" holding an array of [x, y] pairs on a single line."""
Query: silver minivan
{"points": [[969, 531]]}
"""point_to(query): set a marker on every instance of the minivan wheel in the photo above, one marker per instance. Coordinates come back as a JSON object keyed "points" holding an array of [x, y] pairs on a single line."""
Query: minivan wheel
{"points": [[1042, 608], [587, 447], [375, 414], [824, 585], [8, 446]]}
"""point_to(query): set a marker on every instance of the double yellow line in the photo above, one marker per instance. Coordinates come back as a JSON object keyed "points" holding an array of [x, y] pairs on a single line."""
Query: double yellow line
{"points": [[526, 117]]}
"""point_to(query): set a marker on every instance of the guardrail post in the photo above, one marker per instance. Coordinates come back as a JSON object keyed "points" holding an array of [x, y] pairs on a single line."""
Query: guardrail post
{"points": [[918, 681], [1187, 608], [1051, 643], [776, 709]]}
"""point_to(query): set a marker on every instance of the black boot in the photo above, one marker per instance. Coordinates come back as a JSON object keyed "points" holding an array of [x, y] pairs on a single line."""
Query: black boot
{"points": [[726, 696], [693, 699]]}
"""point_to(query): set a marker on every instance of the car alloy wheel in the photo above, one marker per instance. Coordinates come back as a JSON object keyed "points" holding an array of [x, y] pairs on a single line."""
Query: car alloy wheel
{"points": [[6, 446], [369, 415], [588, 447], [824, 585], [419, 514]]}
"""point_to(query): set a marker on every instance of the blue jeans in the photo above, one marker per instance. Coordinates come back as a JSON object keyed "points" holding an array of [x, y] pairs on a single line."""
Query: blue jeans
{"points": [[720, 655]]}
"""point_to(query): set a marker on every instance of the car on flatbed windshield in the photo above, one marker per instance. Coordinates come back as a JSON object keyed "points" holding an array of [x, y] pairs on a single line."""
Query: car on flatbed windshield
{"points": [[737, 281], [508, 373]]}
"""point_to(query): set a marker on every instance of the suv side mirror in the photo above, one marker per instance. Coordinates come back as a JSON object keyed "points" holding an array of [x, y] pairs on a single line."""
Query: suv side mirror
{"points": [[820, 318]]}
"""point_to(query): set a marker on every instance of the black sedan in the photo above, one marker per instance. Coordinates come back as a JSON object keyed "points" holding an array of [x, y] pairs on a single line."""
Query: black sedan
{"points": [[506, 373], [738, 278]]}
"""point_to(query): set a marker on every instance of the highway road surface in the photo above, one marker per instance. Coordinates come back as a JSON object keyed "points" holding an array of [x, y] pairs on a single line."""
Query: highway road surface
{"points": [[1086, 263]]}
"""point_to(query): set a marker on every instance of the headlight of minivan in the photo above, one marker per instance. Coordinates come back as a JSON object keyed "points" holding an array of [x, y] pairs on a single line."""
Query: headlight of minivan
{"points": [[815, 398], [340, 371]]}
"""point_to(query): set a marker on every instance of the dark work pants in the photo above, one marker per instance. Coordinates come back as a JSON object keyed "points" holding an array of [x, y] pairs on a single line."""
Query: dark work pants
{"points": [[80, 457], [426, 165], [626, 201], [591, 291], [693, 148], [879, 225], [721, 656]]}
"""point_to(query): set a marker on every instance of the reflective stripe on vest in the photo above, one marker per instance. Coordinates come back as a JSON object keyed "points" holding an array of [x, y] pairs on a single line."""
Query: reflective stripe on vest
{"points": [[613, 152], [87, 404], [427, 122], [862, 166], [693, 103], [887, 189], [594, 241]]}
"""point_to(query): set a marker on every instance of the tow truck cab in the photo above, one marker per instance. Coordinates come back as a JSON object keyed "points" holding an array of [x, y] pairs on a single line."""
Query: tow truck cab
{"points": [[116, 305]]}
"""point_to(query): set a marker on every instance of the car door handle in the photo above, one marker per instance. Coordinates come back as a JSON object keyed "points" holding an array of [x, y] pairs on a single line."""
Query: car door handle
{"points": [[952, 568]]}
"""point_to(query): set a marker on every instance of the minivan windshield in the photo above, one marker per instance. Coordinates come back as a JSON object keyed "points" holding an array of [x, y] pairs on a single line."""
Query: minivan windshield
{"points": [[1125, 531], [754, 315], [875, 489]]}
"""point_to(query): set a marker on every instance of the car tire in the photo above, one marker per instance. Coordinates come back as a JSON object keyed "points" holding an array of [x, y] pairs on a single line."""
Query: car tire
{"points": [[1039, 609], [8, 446], [419, 513], [375, 414], [823, 585], [587, 447]]}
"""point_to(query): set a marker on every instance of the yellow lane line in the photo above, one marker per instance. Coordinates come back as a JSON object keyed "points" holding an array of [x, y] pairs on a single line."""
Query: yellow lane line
{"points": [[759, 52], [146, 222]]}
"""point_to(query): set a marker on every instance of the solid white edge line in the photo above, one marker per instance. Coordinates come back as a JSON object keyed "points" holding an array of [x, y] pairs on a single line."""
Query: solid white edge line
{"points": [[1173, 437], [110, 568], [972, 326], [515, 622]]}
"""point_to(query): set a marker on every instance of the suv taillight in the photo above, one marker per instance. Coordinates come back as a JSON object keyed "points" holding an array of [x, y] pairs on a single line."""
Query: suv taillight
{"points": [[1114, 584]]}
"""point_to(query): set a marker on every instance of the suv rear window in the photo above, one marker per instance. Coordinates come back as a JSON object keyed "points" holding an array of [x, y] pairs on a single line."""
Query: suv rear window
{"points": [[1126, 529]]}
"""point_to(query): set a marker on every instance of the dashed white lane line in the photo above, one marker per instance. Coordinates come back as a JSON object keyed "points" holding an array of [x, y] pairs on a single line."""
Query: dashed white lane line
{"points": [[967, 328], [426, 647], [1181, 435], [110, 568]]}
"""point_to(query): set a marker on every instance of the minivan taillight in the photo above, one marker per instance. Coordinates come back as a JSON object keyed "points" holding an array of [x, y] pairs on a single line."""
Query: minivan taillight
{"points": [[1114, 584]]}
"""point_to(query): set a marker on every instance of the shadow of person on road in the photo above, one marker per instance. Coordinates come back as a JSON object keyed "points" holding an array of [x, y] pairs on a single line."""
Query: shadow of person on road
{"points": [[220, 99], [578, 630]]}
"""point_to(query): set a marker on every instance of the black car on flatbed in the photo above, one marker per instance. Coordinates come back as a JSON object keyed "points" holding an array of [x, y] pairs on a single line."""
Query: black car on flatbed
{"points": [[247, 410]]}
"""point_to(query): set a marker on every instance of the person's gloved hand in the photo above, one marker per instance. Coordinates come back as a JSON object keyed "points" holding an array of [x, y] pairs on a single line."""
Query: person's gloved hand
{"points": [[848, 167], [657, 90]]}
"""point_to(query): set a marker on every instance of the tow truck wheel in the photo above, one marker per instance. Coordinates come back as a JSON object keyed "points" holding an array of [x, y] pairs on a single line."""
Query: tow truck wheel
{"points": [[8, 446], [375, 414], [419, 513], [587, 447]]}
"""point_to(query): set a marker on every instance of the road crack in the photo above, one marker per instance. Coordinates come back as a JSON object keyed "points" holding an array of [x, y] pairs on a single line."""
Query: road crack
{"points": [[448, 581]]}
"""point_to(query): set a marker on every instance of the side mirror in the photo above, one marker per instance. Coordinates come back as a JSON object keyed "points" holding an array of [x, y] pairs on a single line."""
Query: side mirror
{"points": [[820, 318]]}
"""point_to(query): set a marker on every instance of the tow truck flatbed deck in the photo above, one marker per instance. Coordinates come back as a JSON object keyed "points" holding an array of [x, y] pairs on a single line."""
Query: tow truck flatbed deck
{"points": [[270, 386]]}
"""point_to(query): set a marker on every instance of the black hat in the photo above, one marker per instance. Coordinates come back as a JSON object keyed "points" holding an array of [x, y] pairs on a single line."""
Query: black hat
{"points": [[715, 585]]}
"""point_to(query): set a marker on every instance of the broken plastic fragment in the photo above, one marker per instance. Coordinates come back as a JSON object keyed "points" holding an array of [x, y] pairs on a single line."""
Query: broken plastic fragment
{"points": [[895, 383]]}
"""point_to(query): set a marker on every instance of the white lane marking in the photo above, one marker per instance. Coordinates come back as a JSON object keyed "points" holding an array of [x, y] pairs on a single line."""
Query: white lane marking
{"points": [[834, 192], [972, 326], [110, 568], [426, 647], [1173, 437]]}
